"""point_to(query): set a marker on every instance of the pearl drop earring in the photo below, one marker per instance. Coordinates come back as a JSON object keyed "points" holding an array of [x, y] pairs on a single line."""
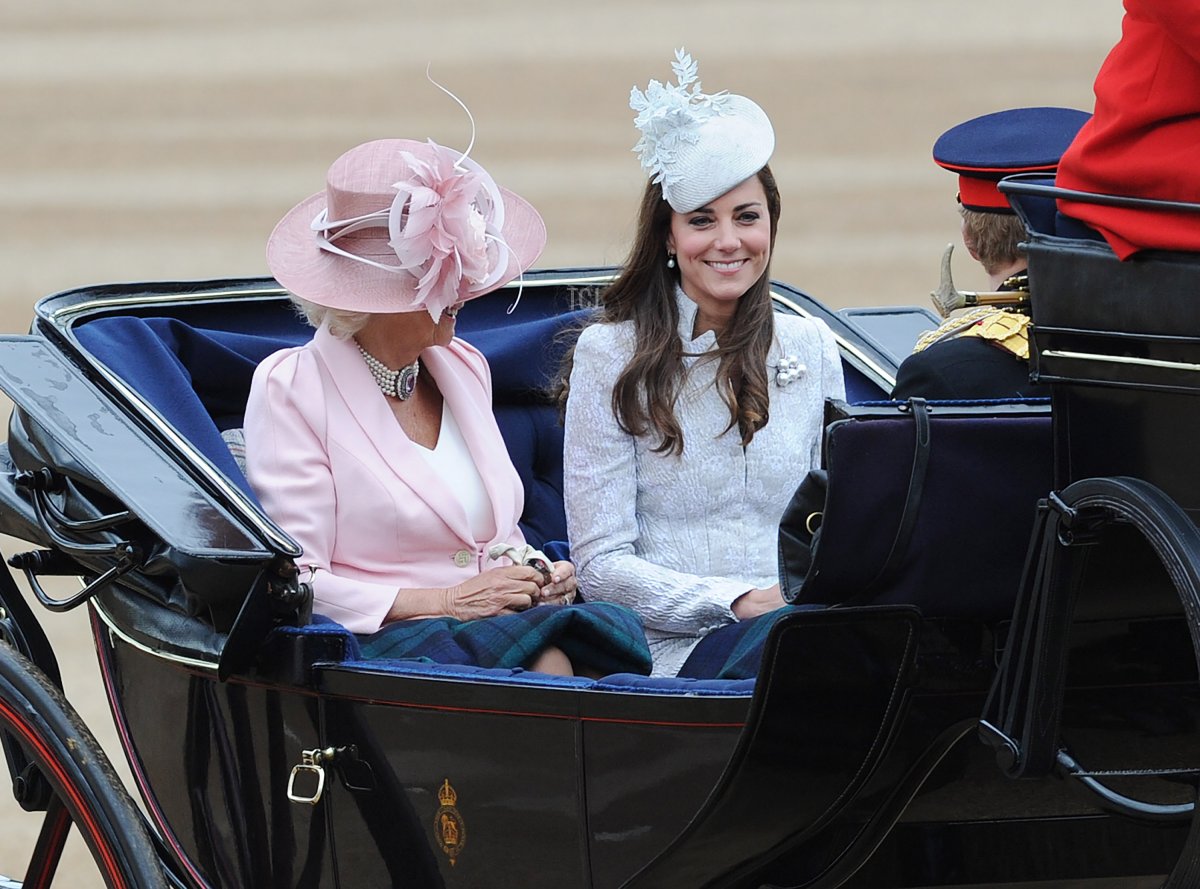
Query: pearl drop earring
{"points": [[670, 260]]}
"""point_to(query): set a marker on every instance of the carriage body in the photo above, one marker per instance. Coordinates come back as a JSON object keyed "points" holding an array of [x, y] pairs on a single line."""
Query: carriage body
{"points": [[266, 751]]}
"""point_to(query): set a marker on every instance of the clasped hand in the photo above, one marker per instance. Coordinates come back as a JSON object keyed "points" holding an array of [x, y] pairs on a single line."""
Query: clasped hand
{"points": [[511, 588]]}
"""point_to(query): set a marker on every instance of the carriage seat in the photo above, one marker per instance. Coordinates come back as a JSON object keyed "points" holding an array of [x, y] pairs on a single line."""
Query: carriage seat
{"points": [[988, 464], [197, 376], [326, 644], [196, 372]]}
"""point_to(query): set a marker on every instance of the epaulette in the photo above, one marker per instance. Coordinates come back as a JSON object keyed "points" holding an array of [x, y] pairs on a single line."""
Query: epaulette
{"points": [[1008, 330]]}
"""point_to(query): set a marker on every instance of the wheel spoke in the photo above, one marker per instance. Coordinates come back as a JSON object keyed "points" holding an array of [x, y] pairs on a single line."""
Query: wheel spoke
{"points": [[48, 851], [83, 790]]}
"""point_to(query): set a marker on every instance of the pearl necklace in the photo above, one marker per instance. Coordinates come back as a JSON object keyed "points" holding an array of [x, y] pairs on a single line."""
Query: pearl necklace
{"points": [[393, 383]]}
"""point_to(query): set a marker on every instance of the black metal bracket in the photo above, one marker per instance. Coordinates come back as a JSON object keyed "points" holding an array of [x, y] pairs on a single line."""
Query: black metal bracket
{"points": [[55, 524], [36, 562], [1077, 526], [1119, 802], [62, 532]]}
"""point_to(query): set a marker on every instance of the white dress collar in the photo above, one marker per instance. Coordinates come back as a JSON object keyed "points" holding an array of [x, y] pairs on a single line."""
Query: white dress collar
{"points": [[707, 341]]}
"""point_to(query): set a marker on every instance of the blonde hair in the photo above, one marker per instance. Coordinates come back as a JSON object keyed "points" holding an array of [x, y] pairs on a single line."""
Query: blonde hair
{"points": [[992, 238], [342, 324]]}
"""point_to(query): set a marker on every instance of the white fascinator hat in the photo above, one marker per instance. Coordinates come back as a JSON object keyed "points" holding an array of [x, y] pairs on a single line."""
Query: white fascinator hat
{"points": [[698, 145]]}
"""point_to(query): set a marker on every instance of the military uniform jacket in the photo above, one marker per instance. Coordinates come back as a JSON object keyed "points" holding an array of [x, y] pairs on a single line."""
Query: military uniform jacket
{"points": [[960, 365], [964, 368]]}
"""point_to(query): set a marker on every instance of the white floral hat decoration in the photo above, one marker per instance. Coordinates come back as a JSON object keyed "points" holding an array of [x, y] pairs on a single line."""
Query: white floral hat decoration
{"points": [[697, 145]]}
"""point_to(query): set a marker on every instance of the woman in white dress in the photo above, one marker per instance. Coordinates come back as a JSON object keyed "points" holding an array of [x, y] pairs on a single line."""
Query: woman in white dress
{"points": [[692, 409]]}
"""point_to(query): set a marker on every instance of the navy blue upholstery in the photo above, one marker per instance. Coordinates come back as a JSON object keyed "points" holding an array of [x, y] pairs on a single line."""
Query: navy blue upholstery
{"points": [[524, 355], [1069, 227], [197, 375], [988, 465], [1041, 215], [860, 387], [337, 639], [195, 369]]}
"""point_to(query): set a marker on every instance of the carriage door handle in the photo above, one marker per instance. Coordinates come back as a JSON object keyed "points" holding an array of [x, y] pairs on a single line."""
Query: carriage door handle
{"points": [[312, 765]]}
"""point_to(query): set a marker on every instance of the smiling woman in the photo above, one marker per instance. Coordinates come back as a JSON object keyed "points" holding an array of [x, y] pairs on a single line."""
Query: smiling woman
{"points": [[721, 249], [685, 435], [161, 142]]}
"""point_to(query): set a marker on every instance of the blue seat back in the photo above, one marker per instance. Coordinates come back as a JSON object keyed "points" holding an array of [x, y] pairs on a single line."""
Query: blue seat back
{"points": [[195, 366], [196, 373], [986, 469]]}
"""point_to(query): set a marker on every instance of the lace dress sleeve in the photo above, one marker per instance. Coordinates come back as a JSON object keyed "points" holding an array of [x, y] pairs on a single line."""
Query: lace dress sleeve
{"points": [[600, 482]]}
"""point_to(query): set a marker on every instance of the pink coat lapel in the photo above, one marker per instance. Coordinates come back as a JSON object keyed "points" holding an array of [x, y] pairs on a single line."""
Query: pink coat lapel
{"points": [[469, 401]]}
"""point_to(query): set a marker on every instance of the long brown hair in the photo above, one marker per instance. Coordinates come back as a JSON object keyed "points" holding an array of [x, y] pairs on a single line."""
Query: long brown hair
{"points": [[644, 394]]}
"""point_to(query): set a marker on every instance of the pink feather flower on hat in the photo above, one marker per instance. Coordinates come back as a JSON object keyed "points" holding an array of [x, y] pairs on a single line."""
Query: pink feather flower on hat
{"points": [[445, 225]]}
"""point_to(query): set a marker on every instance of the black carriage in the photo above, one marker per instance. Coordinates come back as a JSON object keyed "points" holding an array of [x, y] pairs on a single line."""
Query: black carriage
{"points": [[1017, 573]]}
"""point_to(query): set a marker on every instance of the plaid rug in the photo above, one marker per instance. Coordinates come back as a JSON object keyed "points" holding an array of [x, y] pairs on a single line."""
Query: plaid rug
{"points": [[735, 650], [600, 635]]}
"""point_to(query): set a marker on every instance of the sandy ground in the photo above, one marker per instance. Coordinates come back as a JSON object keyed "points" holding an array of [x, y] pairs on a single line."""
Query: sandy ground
{"points": [[161, 140]]}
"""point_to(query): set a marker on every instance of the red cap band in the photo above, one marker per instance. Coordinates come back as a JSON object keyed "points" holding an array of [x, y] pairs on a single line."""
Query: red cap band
{"points": [[982, 194]]}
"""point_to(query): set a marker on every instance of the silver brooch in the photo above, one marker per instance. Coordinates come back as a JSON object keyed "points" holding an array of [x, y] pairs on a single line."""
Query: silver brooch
{"points": [[788, 370]]}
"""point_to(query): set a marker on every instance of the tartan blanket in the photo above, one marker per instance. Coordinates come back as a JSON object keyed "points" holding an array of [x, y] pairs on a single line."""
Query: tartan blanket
{"points": [[600, 635], [735, 650]]}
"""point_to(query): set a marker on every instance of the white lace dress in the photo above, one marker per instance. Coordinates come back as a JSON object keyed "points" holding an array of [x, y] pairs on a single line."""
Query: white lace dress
{"points": [[679, 538]]}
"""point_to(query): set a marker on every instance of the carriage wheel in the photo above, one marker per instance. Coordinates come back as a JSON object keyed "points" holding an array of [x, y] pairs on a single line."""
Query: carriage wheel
{"points": [[84, 791], [1175, 539]]}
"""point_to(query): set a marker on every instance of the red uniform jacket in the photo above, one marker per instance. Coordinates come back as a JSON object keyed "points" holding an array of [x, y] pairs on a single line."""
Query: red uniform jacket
{"points": [[1144, 138]]}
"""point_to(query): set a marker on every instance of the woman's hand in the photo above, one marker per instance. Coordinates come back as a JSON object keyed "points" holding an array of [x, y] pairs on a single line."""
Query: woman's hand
{"points": [[561, 586], [495, 591], [756, 602]]}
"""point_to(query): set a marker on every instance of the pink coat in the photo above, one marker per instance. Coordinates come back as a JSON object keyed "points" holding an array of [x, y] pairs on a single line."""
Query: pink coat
{"points": [[333, 468]]}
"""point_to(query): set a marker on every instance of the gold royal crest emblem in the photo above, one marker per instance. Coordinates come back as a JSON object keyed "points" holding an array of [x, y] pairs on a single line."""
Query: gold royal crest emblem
{"points": [[448, 825]]}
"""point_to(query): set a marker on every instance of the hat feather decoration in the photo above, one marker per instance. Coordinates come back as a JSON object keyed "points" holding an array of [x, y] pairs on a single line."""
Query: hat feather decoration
{"points": [[669, 115], [697, 145]]}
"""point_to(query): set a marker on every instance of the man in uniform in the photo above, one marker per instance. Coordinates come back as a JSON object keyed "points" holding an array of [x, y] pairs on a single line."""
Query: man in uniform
{"points": [[984, 353]]}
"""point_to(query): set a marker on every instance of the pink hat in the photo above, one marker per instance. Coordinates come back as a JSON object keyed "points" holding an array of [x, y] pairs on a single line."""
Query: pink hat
{"points": [[402, 226]]}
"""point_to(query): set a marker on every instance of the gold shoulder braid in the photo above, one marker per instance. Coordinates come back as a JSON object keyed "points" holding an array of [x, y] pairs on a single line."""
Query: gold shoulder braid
{"points": [[1008, 330], [1007, 327]]}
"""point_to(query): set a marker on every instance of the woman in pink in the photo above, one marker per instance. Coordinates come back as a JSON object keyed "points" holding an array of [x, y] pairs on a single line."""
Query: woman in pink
{"points": [[374, 445]]}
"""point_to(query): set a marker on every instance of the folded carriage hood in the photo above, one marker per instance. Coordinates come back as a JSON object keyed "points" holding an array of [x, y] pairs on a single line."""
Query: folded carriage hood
{"points": [[204, 571]]}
